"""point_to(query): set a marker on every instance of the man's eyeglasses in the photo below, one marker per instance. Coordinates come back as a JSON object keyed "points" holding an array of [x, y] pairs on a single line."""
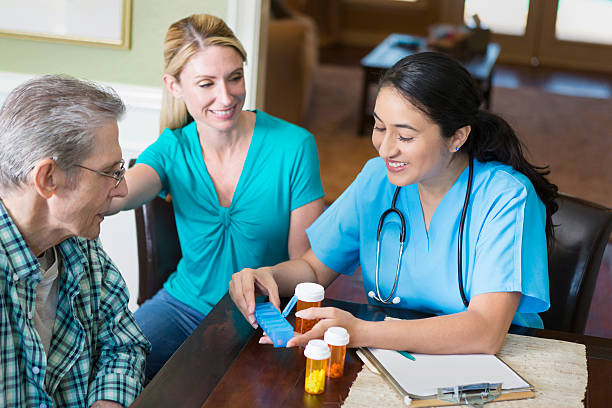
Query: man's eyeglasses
{"points": [[118, 174]]}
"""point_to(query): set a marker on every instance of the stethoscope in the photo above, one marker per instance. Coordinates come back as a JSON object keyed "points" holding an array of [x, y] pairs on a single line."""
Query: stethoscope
{"points": [[394, 210]]}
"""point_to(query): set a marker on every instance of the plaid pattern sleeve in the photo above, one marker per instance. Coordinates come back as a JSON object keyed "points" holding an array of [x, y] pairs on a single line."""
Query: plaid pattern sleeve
{"points": [[97, 351], [119, 373], [21, 356]]}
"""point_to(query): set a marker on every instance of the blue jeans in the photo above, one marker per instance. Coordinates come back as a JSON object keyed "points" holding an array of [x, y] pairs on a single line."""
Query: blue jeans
{"points": [[166, 323]]}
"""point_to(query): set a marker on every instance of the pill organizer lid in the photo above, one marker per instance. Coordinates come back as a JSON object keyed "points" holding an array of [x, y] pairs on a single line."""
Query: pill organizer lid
{"points": [[273, 324], [336, 336], [309, 292], [317, 350]]}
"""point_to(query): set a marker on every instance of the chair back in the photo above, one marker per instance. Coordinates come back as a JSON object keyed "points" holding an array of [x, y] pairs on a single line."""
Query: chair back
{"points": [[159, 250], [582, 230]]}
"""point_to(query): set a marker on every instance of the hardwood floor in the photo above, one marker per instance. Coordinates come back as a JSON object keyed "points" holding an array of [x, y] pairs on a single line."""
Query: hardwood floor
{"points": [[574, 83]]}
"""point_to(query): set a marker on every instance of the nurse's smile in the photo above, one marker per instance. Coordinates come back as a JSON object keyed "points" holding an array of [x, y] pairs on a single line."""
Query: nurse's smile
{"points": [[395, 166]]}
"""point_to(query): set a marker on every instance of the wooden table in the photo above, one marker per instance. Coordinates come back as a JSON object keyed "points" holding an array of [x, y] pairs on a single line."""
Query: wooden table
{"points": [[397, 46], [222, 365]]}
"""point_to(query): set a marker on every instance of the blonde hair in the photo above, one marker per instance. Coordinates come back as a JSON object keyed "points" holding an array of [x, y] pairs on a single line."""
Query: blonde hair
{"points": [[185, 38]]}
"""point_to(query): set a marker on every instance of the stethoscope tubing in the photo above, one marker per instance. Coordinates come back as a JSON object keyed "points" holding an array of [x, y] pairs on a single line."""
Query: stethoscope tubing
{"points": [[466, 202], [377, 296], [381, 222]]}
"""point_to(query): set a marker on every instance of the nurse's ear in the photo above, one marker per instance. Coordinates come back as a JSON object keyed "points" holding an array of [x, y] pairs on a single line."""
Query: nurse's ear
{"points": [[459, 138]]}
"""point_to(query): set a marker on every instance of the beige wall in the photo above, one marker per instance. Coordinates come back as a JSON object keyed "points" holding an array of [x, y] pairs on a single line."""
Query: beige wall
{"points": [[140, 65]]}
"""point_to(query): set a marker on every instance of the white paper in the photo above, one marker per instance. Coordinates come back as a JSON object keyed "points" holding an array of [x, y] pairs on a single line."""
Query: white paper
{"points": [[427, 373]]}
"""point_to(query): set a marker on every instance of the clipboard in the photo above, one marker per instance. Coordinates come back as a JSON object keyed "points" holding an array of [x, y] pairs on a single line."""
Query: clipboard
{"points": [[423, 390]]}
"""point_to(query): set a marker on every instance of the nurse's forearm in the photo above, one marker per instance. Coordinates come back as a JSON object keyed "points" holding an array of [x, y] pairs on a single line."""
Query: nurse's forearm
{"points": [[481, 329], [453, 334]]}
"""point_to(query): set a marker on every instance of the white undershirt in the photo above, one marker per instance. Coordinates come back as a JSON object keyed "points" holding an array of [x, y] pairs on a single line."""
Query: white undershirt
{"points": [[45, 305]]}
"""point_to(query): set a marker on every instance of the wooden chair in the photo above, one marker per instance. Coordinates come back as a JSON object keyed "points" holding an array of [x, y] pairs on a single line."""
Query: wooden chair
{"points": [[159, 249], [582, 230]]}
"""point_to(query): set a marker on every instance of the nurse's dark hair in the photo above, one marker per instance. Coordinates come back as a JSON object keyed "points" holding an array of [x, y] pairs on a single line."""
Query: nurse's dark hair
{"points": [[444, 90]]}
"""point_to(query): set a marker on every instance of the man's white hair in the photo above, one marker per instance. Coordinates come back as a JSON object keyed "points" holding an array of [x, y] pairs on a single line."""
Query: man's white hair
{"points": [[52, 116]]}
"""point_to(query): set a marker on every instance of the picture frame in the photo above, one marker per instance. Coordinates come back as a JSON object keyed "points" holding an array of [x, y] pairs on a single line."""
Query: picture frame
{"points": [[104, 23]]}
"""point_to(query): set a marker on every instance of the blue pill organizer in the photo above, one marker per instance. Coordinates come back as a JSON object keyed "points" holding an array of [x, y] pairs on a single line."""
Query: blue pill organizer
{"points": [[273, 324]]}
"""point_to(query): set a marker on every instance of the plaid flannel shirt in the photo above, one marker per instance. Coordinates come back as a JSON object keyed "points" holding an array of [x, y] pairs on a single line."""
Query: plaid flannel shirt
{"points": [[97, 350]]}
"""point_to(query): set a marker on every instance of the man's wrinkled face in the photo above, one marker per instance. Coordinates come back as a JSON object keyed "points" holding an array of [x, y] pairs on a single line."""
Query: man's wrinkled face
{"points": [[78, 207]]}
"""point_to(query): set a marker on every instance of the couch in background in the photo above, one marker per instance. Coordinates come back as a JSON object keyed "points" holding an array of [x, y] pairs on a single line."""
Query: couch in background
{"points": [[291, 60]]}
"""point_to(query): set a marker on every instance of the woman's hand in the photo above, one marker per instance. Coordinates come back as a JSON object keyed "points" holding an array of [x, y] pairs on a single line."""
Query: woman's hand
{"points": [[271, 281], [330, 316], [143, 185], [246, 283]]}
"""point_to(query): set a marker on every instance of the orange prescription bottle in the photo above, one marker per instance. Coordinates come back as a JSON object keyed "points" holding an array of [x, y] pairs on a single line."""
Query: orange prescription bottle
{"points": [[317, 356], [309, 295], [336, 338]]}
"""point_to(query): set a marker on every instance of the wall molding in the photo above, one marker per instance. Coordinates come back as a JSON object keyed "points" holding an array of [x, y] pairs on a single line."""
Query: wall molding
{"points": [[140, 125], [134, 95]]}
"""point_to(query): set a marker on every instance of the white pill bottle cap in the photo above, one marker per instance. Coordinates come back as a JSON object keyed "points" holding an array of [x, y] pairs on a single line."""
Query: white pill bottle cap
{"points": [[336, 336], [309, 292], [317, 350]]}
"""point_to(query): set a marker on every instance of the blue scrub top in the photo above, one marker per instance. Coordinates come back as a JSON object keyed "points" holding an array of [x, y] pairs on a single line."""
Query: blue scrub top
{"points": [[504, 240], [280, 174]]}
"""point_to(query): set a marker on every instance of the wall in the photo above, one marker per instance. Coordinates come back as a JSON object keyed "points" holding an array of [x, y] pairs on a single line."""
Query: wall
{"points": [[365, 23], [142, 64]]}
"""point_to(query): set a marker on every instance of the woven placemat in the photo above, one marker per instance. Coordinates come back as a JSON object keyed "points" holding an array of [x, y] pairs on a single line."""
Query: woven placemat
{"points": [[556, 369]]}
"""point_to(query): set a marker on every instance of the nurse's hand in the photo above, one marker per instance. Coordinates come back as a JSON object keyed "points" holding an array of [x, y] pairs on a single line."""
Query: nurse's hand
{"points": [[330, 316], [248, 282]]}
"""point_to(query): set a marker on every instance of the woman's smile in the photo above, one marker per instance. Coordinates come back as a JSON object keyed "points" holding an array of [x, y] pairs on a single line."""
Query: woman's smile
{"points": [[223, 114], [395, 166]]}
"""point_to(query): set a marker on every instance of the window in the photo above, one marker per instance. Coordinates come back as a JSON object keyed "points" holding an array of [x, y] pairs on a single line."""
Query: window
{"points": [[584, 21], [500, 16]]}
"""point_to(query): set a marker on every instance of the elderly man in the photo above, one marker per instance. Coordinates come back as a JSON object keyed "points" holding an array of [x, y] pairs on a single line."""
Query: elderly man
{"points": [[67, 337]]}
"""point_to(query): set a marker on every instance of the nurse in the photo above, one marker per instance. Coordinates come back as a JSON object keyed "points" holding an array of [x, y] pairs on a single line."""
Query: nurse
{"points": [[428, 129]]}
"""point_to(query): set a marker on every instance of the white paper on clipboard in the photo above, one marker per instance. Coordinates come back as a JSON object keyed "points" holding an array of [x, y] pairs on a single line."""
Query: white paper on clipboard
{"points": [[422, 377]]}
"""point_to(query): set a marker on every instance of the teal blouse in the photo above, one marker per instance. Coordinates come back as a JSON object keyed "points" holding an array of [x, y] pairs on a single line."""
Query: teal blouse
{"points": [[280, 174]]}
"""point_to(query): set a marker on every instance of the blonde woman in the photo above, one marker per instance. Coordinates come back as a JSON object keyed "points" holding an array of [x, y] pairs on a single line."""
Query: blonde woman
{"points": [[244, 185]]}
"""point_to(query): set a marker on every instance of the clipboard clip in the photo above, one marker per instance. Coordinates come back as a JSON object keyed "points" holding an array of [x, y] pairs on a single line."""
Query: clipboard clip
{"points": [[475, 395]]}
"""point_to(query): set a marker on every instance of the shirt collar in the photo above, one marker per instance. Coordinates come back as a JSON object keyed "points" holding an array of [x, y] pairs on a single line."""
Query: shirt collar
{"points": [[16, 250], [21, 258]]}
